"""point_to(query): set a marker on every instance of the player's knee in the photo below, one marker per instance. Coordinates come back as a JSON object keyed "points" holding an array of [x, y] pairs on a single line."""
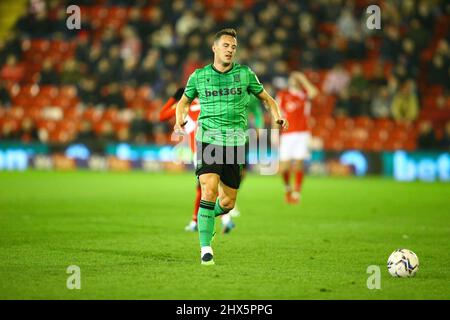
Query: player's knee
{"points": [[209, 194], [227, 203]]}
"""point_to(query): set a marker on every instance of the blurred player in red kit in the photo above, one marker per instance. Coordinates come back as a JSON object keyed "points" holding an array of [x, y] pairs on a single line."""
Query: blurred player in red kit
{"points": [[295, 105]]}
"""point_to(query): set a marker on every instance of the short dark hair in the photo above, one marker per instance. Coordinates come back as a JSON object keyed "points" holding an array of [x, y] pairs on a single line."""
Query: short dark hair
{"points": [[225, 32]]}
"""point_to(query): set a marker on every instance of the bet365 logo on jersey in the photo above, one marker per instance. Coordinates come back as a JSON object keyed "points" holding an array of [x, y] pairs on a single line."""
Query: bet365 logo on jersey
{"points": [[223, 92]]}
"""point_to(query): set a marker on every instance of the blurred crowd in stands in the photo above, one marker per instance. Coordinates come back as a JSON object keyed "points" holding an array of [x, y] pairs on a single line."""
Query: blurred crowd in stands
{"points": [[381, 89]]}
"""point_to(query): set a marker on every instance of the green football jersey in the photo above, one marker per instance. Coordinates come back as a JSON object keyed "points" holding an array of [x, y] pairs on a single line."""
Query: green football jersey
{"points": [[224, 98]]}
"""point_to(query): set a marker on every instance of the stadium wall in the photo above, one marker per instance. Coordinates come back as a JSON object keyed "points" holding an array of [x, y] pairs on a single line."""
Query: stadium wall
{"points": [[400, 165]]}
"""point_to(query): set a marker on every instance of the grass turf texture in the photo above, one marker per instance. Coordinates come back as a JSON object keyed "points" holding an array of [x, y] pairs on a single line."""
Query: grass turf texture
{"points": [[125, 232]]}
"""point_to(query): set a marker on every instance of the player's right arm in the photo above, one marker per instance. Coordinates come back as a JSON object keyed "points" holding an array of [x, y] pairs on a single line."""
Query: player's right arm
{"points": [[274, 109], [180, 113]]}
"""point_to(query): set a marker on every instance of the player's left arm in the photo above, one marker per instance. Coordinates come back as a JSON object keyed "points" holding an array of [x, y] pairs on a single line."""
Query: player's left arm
{"points": [[311, 90], [272, 105]]}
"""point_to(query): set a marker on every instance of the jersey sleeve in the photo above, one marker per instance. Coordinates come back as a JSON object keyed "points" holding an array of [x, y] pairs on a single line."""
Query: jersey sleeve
{"points": [[254, 86], [191, 87]]}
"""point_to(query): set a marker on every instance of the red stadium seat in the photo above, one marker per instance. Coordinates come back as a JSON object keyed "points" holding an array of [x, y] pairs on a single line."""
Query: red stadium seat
{"points": [[386, 124], [333, 145], [49, 91], [68, 91], [373, 145], [344, 123], [326, 122], [120, 13], [399, 134], [41, 102], [72, 113], [41, 45], [92, 115], [110, 115], [364, 122], [320, 132]]}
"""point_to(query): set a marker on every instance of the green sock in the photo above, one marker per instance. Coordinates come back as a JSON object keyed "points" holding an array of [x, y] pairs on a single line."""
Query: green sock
{"points": [[218, 210], [206, 220]]}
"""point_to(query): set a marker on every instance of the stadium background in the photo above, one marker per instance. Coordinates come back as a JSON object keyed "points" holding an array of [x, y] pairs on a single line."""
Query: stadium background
{"points": [[69, 96]]}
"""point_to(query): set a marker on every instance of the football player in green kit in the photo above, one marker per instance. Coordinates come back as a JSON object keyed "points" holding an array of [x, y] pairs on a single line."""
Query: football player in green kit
{"points": [[224, 89]]}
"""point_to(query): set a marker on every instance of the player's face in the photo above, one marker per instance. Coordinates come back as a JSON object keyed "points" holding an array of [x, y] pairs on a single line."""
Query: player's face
{"points": [[225, 49]]}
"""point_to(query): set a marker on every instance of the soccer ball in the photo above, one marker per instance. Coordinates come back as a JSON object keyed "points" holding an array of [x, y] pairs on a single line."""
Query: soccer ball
{"points": [[403, 263]]}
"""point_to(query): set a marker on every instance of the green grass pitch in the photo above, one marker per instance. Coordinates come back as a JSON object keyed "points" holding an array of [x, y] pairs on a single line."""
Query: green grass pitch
{"points": [[125, 232]]}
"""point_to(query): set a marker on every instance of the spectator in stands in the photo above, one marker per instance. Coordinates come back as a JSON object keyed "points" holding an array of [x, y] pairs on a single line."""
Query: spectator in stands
{"points": [[437, 71], [115, 61], [106, 134], [95, 54], [405, 105], [359, 92], [123, 134], [109, 38], [135, 21], [104, 73], [10, 45], [426, 138], [88, 91], [40, 25], [309, 54], [344, 105], [333, 54], [444, 143], [390, 46], [378, 78], [112, 97], [356, 47], [164, 37], [443, 49], [12, 71], [131, 46], [5, 98], [28, 131], [48, 75], [147, 73], [140, 127], [418, 34], [86, 135], [130, 70], [380, 106], [71, 73], [336, 80], [154, 22], [409, 58], [9, 131], [347, 24], [83, 48], [187, 23]]}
